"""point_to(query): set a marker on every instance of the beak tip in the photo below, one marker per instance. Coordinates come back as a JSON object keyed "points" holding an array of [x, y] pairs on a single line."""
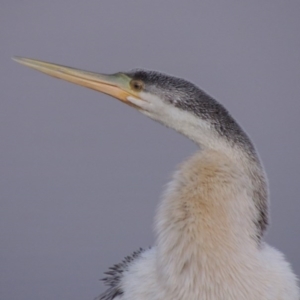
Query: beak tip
{"points": [[18, 59]]}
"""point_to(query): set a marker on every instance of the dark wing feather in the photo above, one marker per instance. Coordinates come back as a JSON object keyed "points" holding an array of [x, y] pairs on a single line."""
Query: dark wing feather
{"points": [[115, 275]]}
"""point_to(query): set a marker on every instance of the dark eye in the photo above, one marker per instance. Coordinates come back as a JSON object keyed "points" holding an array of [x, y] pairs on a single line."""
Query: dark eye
{"points": [[136, 85]]}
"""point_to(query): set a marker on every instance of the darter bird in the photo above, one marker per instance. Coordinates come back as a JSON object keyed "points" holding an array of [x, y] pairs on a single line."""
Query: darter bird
{"points": [[212, 217]]}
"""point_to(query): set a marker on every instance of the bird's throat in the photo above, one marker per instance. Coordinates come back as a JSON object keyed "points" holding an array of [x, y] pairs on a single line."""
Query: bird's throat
{"points": [[205, 216]]}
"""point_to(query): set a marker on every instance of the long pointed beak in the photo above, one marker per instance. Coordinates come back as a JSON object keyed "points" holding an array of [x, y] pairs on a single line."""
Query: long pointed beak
{"points": [[116, 85]]}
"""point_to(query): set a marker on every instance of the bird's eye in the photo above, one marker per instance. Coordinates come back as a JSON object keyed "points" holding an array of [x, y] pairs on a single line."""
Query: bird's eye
{"points": [[136, 85]]}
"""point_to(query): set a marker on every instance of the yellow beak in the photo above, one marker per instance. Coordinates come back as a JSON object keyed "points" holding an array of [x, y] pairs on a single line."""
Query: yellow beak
{"points": [[116, 85]]}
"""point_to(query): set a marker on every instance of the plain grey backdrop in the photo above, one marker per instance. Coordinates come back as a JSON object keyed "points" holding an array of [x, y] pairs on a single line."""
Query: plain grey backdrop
{"points": [[81, 173]]}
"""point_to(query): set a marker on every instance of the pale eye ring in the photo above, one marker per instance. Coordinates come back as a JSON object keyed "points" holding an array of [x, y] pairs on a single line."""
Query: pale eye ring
{"points": [[136, 85]]}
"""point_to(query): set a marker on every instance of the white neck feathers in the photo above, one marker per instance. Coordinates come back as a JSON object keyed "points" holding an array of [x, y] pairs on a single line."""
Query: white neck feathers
{"points": [[205, 218]]}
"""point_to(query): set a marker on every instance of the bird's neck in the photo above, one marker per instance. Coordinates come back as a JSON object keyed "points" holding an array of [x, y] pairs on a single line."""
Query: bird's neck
{"points": [[229, 141], [207, 216]]}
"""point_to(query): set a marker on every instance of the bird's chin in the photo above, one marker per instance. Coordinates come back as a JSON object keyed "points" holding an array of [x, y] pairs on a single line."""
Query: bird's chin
{"points": [[140, 104]]}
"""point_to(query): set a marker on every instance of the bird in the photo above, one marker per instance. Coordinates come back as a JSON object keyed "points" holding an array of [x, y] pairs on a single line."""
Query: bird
{"points": [[211, 221]]}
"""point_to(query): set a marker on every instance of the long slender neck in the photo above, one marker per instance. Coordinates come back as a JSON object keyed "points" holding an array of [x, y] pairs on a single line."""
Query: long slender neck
{"points": [[227, 138], [209, 214]]}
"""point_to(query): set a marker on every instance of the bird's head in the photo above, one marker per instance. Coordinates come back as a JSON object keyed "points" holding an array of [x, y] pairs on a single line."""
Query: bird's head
{"points": [[172, 101]]}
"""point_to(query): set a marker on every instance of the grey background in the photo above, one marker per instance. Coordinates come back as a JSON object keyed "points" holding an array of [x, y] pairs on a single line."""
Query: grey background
{"points": [[81, 173]]}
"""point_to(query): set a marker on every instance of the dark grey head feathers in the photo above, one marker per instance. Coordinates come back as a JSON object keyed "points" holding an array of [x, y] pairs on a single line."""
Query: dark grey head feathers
{"points": [[188, 97]]}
